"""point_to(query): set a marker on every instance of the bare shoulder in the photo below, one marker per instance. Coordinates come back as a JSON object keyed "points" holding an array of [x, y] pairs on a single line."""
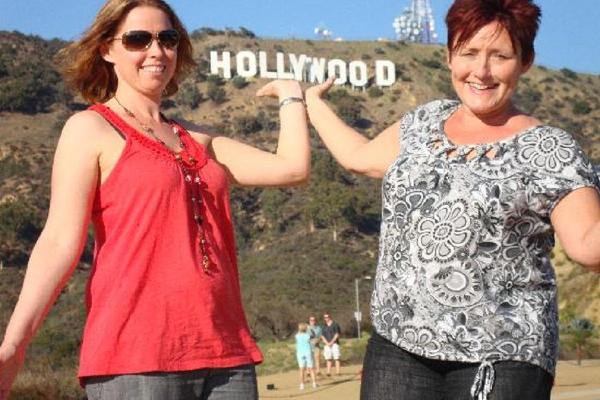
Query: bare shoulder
{"points": [[203, 134], [88, 123], [530, 120], [88, 130]]}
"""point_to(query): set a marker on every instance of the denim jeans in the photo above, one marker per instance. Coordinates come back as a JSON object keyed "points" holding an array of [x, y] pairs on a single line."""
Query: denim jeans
{"points": [[390, 372], [237, 383]]}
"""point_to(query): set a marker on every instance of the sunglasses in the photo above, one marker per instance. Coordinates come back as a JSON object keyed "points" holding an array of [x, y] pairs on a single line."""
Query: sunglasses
{"points": [[142, 40]]}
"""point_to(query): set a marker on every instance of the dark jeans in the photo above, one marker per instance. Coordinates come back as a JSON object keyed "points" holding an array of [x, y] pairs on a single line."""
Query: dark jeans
{"points": [[390, 372], [238, 383]]}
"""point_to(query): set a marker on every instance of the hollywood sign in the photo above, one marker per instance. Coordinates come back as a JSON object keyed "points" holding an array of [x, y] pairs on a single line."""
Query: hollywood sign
{"points": [[301, 68]]}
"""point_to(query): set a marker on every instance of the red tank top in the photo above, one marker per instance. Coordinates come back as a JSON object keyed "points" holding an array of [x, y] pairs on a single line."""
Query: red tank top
{"points": [[151, 306]]}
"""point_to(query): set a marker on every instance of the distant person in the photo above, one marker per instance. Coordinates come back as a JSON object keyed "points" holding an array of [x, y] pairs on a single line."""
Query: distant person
{"points": [[304, 355], [315, 332], [464, 304], [331, 339], [164, 310]]}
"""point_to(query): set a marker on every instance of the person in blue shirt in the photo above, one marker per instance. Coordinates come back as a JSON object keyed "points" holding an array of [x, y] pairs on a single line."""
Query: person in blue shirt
{"points": [[304, 355]]}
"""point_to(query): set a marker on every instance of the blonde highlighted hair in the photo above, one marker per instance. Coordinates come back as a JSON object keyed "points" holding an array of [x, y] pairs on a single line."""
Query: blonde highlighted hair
{"points": [[86, 71], [302, 327]]}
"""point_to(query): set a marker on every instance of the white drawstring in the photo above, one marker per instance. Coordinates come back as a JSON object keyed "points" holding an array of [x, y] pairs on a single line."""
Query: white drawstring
{"points": [[484, 381]]}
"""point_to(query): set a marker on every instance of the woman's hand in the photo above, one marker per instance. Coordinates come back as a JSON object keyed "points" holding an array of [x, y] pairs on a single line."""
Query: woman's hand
{"points": [[280, 88], [355, 152], [11, 361], [320, 90]]}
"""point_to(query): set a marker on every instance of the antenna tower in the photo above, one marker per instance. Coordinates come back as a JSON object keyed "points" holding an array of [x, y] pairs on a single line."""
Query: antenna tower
{"points": [[416, 23], [323, 33]]}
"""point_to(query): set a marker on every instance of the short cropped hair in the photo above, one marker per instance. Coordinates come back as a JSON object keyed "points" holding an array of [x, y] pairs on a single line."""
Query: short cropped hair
{"points": [[84, 68], [520, 18]]}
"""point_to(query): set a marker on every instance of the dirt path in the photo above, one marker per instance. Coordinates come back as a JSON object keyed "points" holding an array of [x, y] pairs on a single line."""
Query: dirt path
{"points": [[572, 383]]}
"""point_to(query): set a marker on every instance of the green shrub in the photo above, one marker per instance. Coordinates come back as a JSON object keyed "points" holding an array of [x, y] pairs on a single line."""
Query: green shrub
{"points": [[239, 82], [216, 93], [215, 79], [246, 124], [567, 73], [375, 91], [581, 107], [244, 32], [19, 221], [433, 64], [189, 95], [200, 72]]}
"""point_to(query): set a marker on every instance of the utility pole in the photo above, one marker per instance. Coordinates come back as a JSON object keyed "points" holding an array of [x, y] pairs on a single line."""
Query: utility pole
{"points": [[357, 313]]}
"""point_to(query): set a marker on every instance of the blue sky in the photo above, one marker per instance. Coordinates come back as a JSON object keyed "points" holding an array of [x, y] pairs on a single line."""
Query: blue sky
{"points": [[569, 35]]}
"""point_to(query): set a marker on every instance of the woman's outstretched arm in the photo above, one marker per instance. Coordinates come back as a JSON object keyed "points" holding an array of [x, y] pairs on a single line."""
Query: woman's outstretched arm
{"points": [[352, 150], [576, 220], [55, 254], [290, 164]]}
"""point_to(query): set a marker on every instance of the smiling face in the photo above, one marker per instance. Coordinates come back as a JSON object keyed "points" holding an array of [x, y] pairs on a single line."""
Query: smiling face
{"points": [[485, 72], [147, 71]]}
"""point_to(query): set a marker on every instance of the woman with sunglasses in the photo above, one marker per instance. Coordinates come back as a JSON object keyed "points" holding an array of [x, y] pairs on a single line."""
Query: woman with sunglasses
{"points": [[165, 319]]}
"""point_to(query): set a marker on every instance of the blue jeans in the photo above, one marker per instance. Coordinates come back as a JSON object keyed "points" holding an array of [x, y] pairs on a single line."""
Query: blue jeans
{"points": [[390, 372], [237, 383]]}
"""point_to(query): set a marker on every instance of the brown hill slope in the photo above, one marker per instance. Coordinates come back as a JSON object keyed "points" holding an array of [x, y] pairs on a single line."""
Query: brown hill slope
{"points": [[288, 269]]}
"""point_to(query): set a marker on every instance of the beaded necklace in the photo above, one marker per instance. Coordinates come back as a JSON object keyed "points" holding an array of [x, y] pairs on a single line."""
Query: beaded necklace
{"points": [[191, 174]]}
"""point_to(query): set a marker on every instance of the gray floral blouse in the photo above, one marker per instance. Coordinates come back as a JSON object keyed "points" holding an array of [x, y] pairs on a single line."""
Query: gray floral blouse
{"points": [[464, 272]]}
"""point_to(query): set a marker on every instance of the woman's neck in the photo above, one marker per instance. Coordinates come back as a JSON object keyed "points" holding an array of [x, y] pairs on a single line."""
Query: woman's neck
{"points": [[466, 127], [499, 118], [142, 106]]}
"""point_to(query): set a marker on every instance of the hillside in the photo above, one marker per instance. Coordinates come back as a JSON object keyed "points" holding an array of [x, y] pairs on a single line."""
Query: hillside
{"points": [[290, 263]]}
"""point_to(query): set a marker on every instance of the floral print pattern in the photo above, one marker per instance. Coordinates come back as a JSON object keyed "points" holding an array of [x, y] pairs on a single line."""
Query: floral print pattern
{"points": [[464, 271], [442, 234]]}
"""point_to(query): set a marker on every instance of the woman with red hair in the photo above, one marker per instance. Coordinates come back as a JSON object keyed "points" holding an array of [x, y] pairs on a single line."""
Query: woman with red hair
{"points": [[464, 304]]}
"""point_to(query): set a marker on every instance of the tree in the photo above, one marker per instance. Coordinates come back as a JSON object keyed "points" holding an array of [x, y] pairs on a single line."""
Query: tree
{"points": [[20, 227], [189, 95], [330, 202], [579, 333], [216, 93], [272, 202]]}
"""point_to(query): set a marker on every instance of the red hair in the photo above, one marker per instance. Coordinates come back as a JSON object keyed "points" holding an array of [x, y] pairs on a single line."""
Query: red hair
{"points": [[520, 18]]}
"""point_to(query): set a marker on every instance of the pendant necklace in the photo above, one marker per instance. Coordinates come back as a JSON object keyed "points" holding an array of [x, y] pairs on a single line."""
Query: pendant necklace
{"points": [[191, 176]]}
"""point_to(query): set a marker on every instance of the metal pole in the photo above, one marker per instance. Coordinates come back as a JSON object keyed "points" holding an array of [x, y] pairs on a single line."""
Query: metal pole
{"points": [[357, 308]]}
